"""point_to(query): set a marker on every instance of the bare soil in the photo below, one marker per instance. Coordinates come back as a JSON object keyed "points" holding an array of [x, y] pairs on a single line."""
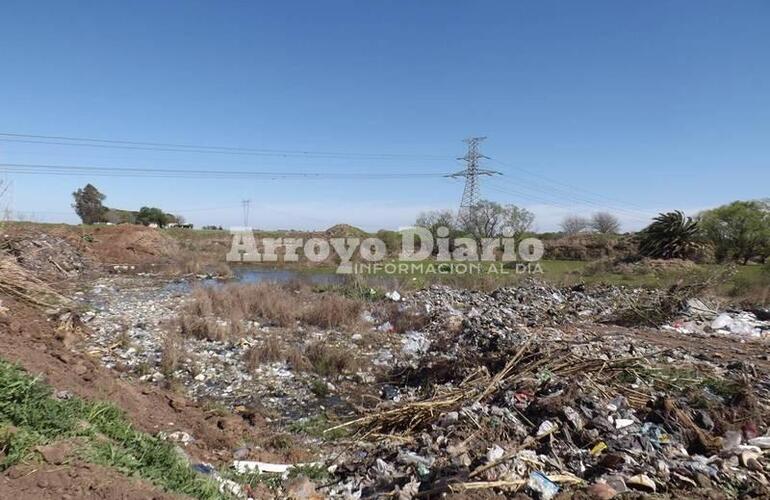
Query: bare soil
{"points": [[29, 339], [76, 480]]}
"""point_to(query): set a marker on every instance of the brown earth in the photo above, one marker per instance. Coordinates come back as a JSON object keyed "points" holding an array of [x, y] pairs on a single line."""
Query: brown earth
{"points": [[107, 245], [76, 480], [29, 339]]}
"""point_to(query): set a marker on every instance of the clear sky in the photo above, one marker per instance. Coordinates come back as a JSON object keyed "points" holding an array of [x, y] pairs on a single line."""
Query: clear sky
{"points": [[656, 105]]}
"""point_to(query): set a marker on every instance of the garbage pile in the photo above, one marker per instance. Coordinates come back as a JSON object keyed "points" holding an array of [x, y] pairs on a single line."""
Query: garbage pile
{"points": [[553, 418], [47, 256], [556, 408], [700, 319]]}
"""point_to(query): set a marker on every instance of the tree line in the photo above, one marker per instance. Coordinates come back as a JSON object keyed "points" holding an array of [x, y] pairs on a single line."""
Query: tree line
{"points": [[88, 205], [737, 232]]}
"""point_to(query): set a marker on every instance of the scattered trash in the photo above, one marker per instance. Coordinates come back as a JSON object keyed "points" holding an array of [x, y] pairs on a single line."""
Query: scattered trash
{"points": [[544, 487], [177, 436], [245, 466]]}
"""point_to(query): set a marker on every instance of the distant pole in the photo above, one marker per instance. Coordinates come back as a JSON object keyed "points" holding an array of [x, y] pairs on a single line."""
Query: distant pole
{"points": [[246, 204], [471, 193]]}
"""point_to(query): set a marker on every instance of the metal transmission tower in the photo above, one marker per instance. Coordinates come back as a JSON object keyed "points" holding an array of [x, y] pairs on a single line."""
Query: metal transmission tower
{"points": [[246, 205], [471, 173]]}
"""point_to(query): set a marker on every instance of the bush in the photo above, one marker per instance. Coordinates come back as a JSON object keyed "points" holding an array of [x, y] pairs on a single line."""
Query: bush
{"points": [[268, 352], [739, 231], [328, 360], [333, 311]]}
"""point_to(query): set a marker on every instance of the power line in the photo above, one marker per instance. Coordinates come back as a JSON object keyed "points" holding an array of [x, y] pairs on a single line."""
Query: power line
{"points": [[203, 149], [564, 187], [38, 169]]}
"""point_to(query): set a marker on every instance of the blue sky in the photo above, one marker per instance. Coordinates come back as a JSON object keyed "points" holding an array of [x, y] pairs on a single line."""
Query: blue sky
{"points": [[656, 105]]}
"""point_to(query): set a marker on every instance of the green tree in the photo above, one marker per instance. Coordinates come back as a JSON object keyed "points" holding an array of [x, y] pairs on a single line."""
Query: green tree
{"points": [[88, 204], [152, 215], [670, 236], [739, 231]]}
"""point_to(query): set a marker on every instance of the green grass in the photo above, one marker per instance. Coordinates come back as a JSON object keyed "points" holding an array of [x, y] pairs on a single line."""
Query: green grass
{"points": [[29, 417], [316, 427]]}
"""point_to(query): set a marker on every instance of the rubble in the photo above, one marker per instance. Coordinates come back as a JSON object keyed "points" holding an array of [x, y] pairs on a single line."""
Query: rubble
{"points": [[47, 256], [528, 389]]}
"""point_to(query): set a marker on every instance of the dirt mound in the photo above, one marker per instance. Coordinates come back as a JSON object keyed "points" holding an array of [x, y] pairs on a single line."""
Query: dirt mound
{"points": [[589, 247], [76, 480], [56, 252], [137, 245], [48, 256], [345, 230]]}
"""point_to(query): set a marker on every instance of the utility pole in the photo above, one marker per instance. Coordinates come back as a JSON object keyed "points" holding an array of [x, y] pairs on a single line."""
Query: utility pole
{"points": [[471, 173], [245, 204]]}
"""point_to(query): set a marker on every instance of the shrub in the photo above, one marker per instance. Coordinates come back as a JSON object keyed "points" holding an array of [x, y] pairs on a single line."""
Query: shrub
{"points": [[328, 360], [333, 311], [738, 231], [173, 351], [268, 352]]}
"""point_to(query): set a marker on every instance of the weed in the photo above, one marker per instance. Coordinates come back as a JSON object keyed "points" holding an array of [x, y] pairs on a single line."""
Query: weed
{"points": [[316, 427], [172, 353], [296, 359], [319, 388], [316, 473], [31, 417], [328, 360], [403, 319], [267, 352], [281, 441], [333, 311]]}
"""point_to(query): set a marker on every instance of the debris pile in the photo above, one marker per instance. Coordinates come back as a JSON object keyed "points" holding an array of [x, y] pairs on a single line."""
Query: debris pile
{"points": [[519, 392], [700, 319], [569, 412], [532, 389], [47, 256]]}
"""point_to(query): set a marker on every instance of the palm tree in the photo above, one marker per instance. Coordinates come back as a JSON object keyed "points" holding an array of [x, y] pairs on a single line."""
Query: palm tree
{"points": [[670, 236]]}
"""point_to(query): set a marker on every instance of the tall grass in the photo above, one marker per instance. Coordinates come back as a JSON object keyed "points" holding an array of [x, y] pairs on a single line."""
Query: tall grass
{"points": [[223, 312]]}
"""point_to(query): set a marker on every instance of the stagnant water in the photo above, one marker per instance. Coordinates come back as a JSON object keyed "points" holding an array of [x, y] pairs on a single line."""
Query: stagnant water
{"points": [[275, 275]]}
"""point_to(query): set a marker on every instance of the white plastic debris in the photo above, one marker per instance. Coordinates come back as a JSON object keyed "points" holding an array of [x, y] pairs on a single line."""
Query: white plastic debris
{"points": [[177, 436], [547, 427], [741, 324], [762, 442], [394, 296], [495, 453], [245, 466], [621, 423]]}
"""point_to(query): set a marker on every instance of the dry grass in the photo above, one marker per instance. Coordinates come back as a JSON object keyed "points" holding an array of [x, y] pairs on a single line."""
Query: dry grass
{"points": [[22, 285], [296, 359], [333, 311], [173, 352], [327, 360], [404, 319], [233, 305], [269, 351]]}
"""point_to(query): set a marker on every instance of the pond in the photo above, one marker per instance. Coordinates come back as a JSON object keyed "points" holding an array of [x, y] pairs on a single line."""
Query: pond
{"points": [[278, 275]]}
